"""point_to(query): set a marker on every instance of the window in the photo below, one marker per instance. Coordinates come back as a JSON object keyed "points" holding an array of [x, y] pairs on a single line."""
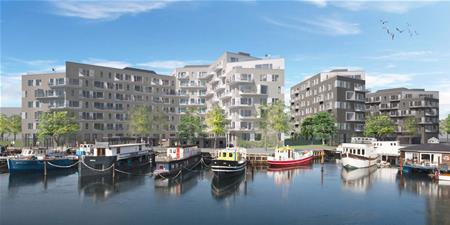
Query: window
{"points": [[264, 89], [30, 104], [274, 77], [263, 77], [30, 82], [230, 154], [118, 150]]}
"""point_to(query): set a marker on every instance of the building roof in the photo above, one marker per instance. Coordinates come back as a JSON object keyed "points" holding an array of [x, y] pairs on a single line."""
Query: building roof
{"points": [[399, 89], [427, 147], [139, 70]]}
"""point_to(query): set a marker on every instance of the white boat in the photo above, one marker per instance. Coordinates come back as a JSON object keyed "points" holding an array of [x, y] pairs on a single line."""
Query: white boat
{"points": [[358, 154]]}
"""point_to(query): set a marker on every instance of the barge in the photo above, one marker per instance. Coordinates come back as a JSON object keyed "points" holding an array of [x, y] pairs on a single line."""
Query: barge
{"points": [[176, 160], [106, 158], [229, 162]]}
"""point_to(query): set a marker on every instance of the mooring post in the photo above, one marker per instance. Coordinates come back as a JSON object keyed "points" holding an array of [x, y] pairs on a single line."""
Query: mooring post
{"points": [[45, 167], [114, 170]]}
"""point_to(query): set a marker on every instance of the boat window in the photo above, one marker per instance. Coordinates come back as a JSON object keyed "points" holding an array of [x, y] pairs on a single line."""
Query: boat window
{"points": [[118, 150], [359, 151], [363, 151], [224, 154], [230, 154]]}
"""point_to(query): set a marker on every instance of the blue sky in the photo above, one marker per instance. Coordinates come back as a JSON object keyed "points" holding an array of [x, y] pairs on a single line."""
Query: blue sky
{"points": [[312, 36]]}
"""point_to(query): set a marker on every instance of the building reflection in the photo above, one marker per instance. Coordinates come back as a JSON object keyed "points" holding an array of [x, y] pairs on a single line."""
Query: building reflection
{"points": [[437, 195], [284, 176]]}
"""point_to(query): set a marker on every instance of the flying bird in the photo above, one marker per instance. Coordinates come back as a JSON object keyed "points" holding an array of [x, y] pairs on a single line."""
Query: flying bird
{"points": [[53, 69], [400, 31], [383, 21]]}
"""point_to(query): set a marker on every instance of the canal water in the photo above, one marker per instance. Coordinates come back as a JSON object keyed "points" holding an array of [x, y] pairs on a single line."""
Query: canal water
{"points": [[316, 194]]}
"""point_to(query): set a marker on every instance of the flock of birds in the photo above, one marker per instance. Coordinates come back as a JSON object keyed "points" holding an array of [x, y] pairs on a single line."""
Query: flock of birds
{"points": [[392, 33]]}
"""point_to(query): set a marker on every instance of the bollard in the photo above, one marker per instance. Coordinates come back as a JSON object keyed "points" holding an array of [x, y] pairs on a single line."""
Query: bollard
{"points": [[45, 167]]}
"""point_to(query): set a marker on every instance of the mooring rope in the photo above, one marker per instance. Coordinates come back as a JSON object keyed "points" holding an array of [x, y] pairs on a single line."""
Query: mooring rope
{"points": [[206, 165], [98, 170], [170, 177], [134, 174], [59, 166], [194, 167]]}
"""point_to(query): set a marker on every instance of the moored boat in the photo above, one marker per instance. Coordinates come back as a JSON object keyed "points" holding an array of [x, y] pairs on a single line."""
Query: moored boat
{"points": [[40, 160], [229, 162], [106, 157], [360, 153], [289, 157], [176, 160]]}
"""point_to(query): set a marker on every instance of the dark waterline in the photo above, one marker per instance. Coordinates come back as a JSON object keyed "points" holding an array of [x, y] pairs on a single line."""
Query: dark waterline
{"points": [[316, 194]]}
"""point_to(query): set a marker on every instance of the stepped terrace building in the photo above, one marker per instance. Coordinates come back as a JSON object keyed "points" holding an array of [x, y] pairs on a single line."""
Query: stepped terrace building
{"points": [[239, 83], [339, 92], [401, 103], [100, 98]]}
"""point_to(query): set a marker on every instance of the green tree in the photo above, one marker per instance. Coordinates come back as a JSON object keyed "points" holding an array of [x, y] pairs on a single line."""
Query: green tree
{"points": [[263, 122], [324, 126], [307, 128], [4, 125], [15, 125], [410, 127], [445, 126], [216, 122], [159, 122], [379, 126], [56, 125], [278, 119], [190, 126], [141, 121]]}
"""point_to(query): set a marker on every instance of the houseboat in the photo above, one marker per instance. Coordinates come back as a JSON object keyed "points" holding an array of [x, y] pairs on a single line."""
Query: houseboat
{"points": [[425, 158], [176, 160], [106, 157], [229, 162], [39, 160], [358, 154], [289, 157]]}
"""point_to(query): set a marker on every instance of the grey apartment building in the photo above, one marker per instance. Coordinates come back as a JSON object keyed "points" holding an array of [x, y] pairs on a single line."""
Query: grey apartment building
{"points": [[401, 103], [340, 92], [100, 99], [237, 82]]}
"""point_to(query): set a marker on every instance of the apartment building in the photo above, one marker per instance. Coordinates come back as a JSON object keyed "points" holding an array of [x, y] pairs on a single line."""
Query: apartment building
{"points": [[100, 98], [239, 83], [401, 103], [340, 92]]}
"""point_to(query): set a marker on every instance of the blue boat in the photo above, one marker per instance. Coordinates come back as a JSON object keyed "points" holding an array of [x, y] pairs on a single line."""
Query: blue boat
{"points": [[37, 165], [37, 160]]}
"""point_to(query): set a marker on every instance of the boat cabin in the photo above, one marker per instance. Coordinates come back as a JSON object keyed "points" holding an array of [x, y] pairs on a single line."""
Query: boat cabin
{"points": [[85, 149], [180, 153], [433, 154], [230, 154], [122, 151]]}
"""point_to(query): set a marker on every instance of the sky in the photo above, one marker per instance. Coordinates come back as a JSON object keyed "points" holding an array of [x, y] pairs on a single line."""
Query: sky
{"points": [[313, 36]]}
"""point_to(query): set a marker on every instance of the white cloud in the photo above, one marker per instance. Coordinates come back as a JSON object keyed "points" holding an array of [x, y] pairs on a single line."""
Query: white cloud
{"points": [[319, 3], [386, 80], [382, 6], [10, 90], [331, 26], [169, 65], [423, 56], [107, 63], [105, 10]]}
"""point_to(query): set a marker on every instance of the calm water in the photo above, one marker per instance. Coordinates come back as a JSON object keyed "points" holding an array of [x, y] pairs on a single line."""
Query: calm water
{"points": [[316, 194]]}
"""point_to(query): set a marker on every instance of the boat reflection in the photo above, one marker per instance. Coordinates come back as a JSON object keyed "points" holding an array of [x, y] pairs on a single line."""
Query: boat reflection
{"points": [[284, 176], [437, 195], [179, 185], [357, 180], [18, 181], [224, 187], [101, 188]]}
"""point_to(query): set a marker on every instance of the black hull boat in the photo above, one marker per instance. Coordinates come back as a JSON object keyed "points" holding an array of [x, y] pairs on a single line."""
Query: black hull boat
{"points": [[177, 161], [229, 162]]}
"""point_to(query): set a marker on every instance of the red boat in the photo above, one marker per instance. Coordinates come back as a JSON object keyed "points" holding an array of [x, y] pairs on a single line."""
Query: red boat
{"points": [[288, 157]]}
